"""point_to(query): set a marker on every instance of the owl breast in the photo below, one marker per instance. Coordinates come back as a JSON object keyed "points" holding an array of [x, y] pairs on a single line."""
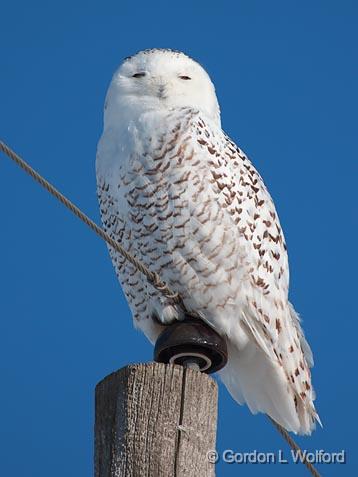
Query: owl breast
{"points": [[186, 202]]}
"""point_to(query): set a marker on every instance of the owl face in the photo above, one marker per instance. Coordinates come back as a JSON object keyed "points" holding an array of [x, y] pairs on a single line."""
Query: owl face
{"points": [[164, 79]]}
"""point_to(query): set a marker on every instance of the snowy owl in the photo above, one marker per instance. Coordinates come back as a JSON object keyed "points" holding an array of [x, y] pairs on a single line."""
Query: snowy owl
{"points": [[184, 199]]}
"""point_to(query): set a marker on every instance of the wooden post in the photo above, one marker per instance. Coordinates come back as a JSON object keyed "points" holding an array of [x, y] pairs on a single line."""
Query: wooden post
{"points": [[156, 420]]}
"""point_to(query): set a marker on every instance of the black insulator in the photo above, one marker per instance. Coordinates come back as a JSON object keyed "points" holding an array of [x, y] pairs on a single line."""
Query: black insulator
{"points": [[191, 340]]}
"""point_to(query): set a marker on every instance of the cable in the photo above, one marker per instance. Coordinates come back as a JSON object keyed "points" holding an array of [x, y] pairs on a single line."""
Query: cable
{"points": [[152, 277], [295, 447]]}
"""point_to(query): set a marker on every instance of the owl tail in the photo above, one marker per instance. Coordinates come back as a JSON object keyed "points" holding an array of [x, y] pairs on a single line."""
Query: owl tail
{"points": [[252, 378]]}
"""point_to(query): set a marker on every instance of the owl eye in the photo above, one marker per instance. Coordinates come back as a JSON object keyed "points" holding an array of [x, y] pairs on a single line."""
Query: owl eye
{"points": [[139, 75], [183, 77]]}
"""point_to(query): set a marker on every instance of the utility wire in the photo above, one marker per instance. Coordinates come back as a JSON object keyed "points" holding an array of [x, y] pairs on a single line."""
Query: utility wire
{"points": [[152, 277], [295, 447]]}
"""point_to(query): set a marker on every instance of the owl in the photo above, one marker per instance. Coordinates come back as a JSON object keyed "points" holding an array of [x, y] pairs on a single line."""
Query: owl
{"points": [[185, 200]]}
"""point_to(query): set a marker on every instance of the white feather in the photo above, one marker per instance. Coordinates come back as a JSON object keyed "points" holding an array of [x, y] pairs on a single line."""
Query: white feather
{"points": [[184, 199]]}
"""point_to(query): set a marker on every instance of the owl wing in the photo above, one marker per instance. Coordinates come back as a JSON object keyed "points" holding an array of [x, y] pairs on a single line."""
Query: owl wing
{"points": [[228, 260]]}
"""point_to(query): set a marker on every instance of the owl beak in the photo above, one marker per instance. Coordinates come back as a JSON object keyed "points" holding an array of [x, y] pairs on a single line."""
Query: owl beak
{"points": [[161, 91]]}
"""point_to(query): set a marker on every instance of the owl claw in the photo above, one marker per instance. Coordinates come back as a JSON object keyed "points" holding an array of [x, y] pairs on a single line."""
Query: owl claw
{"points": [[167, 315]]}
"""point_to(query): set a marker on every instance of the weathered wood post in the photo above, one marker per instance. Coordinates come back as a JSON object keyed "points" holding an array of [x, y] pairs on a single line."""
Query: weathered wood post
{"points": [[159, 420]]}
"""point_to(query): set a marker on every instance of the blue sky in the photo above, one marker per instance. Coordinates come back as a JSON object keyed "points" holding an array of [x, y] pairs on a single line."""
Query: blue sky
{"points": [[286, 78]]}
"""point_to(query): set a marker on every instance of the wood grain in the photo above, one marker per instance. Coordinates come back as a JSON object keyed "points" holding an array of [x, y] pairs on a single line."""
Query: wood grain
{"points": [[155, 420]]}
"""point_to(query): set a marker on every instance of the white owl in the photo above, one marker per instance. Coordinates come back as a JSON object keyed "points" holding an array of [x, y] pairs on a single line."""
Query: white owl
{"points": [[177, 193]]}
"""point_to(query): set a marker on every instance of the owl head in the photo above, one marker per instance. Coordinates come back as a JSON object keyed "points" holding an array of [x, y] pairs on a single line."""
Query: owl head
{"points": [[162, 79]]}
